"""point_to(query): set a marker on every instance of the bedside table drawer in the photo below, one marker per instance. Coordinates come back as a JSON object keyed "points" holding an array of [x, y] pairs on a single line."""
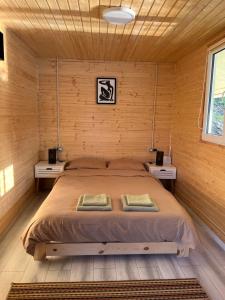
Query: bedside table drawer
{"points": [[45, 170], [164, 173], [47, 173]]}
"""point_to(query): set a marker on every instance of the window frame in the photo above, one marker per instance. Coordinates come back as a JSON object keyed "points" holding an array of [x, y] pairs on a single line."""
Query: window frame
{"points": [[220, 140]]}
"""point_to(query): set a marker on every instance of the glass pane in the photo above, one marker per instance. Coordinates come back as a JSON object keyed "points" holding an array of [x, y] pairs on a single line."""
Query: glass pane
{"points": [[217, 95]]}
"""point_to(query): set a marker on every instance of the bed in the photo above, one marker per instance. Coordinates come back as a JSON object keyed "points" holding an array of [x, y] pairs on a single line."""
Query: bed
{"points": [[58, 229]]}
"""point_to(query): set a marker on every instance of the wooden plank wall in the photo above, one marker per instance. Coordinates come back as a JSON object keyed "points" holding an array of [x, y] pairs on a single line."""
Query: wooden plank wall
{"points": [[109, 131], [200, 166], [18, 126]]}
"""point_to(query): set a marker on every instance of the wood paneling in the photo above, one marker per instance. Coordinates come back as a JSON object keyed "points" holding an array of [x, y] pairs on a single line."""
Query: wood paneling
{"points": [[200, 166], [10, 217], [18, 123], [164, 30], [109, 131]]}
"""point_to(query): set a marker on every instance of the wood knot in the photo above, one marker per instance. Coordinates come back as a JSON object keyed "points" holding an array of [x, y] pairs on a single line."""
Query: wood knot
{"points": [[146, 248], [54, 249], [101, 252]]}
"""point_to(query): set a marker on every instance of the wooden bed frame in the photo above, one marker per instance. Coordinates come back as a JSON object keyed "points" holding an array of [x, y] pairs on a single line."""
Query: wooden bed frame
{"points": [[42, 250]]}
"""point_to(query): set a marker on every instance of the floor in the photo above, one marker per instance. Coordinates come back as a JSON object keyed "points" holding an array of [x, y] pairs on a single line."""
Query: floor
{"points": [[208, 263]]}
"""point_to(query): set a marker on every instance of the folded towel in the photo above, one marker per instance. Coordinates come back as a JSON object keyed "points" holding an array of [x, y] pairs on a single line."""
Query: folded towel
{"points": [[94, 200], [82, 207], [139, 200], [127, 207]]}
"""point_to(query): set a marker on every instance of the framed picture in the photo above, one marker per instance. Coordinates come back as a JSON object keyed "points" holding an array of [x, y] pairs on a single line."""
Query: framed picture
{"points": [[106, 90]]}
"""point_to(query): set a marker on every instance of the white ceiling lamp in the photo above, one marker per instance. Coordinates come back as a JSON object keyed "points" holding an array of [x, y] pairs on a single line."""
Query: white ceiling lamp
{"points": [[118, 15]]}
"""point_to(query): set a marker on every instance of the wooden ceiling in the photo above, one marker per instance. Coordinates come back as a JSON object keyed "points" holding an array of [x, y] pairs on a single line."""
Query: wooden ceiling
{"points": [[164, 30]]}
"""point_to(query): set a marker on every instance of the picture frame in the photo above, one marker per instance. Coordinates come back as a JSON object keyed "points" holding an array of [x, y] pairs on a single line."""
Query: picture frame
{"points": [[106, 90]]}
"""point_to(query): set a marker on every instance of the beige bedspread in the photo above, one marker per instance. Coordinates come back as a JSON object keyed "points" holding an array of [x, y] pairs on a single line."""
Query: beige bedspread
{"points": [[58, 220]]}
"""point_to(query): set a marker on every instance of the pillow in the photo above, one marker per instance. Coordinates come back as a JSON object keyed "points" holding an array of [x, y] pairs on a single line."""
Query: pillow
{"points": [[86, 163], [126, 164]]}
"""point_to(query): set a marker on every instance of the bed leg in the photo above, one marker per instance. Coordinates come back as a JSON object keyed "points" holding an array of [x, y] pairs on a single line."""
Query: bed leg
{"points": [[183, 253], [40, 251]]}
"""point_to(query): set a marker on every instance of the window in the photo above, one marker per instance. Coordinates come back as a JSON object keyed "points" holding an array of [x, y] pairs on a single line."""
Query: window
{"points": [[214, 121]]}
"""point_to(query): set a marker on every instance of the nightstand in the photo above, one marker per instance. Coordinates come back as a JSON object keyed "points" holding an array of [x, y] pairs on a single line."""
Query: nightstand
{"points": [[166, 174], [45, 170]]}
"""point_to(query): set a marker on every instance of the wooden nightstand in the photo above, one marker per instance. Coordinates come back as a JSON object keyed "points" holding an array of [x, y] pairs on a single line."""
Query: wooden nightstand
{"points": [[166, 174], [45, 170]]}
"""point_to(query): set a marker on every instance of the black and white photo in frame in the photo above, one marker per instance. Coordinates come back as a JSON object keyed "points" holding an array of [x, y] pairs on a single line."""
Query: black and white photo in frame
{"points": [[106, 90]]}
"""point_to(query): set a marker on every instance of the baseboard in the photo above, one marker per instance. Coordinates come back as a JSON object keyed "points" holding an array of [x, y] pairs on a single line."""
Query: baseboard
{"points": [[14, 212]]}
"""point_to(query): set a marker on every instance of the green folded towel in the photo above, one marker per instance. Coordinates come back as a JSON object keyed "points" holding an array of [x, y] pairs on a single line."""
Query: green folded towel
{"points": [[94, 200], [139, 200], [82, 207], [127, 207]]}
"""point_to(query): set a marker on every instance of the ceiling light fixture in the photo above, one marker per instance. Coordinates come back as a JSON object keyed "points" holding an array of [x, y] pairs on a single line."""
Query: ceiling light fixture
{"points": [[118, 15]]}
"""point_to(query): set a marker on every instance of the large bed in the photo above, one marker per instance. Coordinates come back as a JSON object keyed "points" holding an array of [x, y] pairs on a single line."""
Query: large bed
{"points": [[59, 229]]}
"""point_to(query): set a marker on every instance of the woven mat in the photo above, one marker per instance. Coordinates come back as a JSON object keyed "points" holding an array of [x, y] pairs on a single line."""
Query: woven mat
{"points": [[164, 289]]}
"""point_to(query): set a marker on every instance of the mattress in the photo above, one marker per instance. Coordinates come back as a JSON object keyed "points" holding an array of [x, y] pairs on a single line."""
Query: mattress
{"points": [[58, 221]]}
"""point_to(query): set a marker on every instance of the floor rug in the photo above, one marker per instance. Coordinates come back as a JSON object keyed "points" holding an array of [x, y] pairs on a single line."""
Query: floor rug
{"points": [[163, 289]]}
